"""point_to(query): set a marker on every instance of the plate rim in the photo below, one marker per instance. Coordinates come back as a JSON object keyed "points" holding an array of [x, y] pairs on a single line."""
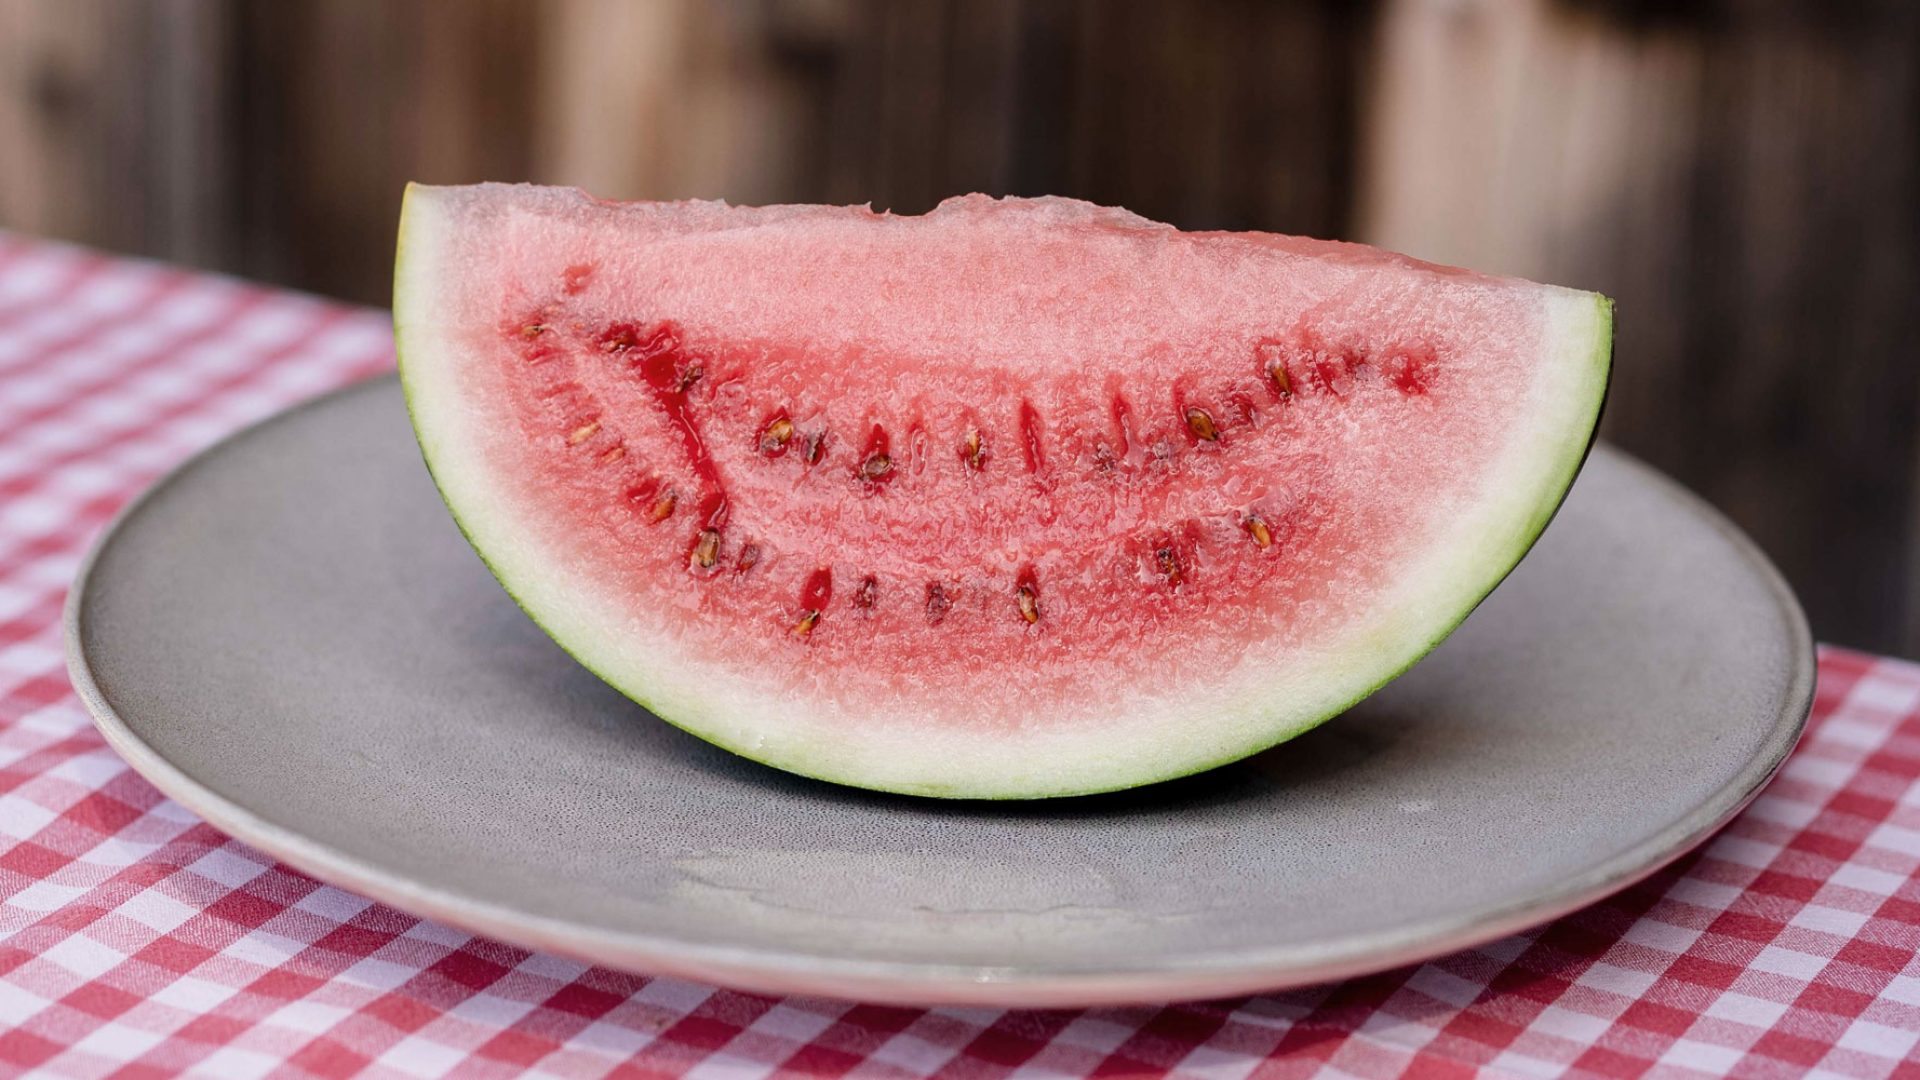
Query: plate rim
{"points": [[796, 970]]}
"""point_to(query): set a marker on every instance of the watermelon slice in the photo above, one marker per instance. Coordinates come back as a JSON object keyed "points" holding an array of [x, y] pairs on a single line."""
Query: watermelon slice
{"points": [[1018, 498]]}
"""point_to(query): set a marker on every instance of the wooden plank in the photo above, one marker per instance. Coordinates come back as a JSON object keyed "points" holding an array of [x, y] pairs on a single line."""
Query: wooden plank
{"points": [[1743, 183], [341, 103], [53, 119], [1210, 113], [185, 130], [109, 130], [666, 100]]}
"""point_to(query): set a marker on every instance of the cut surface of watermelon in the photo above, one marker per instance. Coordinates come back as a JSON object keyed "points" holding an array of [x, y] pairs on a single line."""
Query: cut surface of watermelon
{"points": [[1017, 498]]}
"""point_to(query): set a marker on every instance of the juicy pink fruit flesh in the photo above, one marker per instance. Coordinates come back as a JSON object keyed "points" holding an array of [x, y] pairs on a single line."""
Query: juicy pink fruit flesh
{"points": [[1019, 497]]}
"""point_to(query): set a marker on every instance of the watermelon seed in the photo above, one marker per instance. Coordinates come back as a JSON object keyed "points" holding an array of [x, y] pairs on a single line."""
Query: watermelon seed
{"points": [[1275, 364], [815, 595], [533, 330], [773, 440], [749, 556], [1027, 595], [663, 506], [1202, 425], [1029, 609], [613, 453], [583, 433], [876, 464], [1168, 560], [1259, 531], [813, 446], [706, 550], [973, 450], [864, 596], [619, 338], [937, 603], [690, 376]]}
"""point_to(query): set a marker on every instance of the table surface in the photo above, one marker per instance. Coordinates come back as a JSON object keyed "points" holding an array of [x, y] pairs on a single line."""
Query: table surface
{"points": [[134, 935]]}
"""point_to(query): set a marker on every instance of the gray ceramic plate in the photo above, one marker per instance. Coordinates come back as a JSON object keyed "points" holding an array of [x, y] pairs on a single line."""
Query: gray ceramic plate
{"points": [[289, 636]]}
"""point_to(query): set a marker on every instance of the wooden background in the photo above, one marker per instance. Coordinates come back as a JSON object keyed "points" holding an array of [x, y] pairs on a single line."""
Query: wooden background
{"points": [[1742, 177]]}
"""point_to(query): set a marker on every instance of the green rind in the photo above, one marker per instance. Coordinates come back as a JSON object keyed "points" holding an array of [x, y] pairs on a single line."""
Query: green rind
{"points": [[1599, 359]]}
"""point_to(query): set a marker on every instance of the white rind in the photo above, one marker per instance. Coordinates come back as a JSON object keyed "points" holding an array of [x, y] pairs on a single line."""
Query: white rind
{"points": [[1141, 739]]}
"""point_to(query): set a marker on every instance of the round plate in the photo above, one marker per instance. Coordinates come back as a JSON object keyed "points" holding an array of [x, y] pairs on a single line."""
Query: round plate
{"points": [[289, 636]]}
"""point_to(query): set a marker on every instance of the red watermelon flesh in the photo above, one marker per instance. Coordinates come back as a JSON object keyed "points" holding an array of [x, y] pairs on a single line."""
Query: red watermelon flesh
{"points": [[1016, 498]]}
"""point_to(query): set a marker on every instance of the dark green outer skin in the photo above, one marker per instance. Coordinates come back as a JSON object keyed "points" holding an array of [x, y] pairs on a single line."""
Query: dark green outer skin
{"points": [[1542, 519]]}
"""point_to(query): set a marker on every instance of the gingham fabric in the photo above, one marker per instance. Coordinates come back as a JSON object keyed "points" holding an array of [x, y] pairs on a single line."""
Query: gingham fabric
{"points": [[136, 940]]}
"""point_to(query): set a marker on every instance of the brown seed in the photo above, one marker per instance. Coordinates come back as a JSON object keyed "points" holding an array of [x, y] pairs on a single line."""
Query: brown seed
{"points": [[612, 454], [813, 446], [804, 628], [690, 376], [533, 330], [1259, 531], [706, 550], [774, 439], [663, 506], [876, 464], [937, 603], [1168, 560], [973, 450], [866, 593], [1202, 425], [749, 556], [583, 433], [1282, 384], [1029, 603]]}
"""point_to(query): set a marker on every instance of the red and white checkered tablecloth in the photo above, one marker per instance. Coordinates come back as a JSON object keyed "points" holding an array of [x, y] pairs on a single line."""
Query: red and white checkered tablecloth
{"points": [[137, 940]]}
